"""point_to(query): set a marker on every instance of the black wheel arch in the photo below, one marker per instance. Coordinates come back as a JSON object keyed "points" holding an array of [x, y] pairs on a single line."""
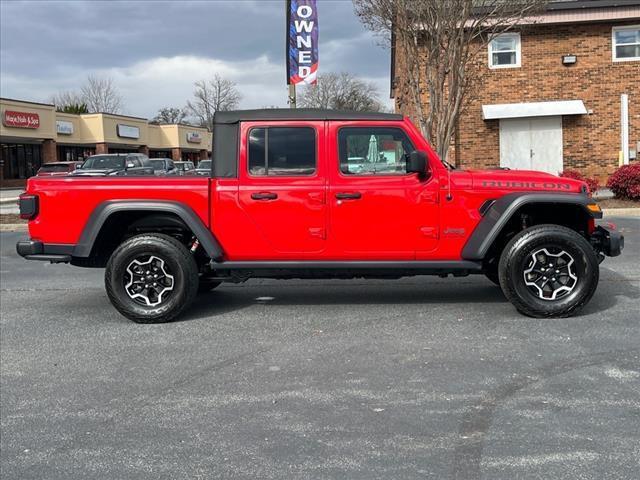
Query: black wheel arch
{"points": [[504, 216], [143, 215]]}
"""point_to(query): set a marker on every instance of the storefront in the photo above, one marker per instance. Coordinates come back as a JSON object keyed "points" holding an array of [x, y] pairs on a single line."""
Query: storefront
{"points": [[34, 133], [20, 160]]}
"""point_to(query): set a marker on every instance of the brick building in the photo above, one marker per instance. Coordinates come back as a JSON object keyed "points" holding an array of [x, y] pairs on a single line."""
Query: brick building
{"points": [[555, 92], [35, 133]]}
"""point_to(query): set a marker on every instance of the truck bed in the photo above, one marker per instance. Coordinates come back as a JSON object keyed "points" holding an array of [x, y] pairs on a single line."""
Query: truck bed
{"points": [[66, 203]]}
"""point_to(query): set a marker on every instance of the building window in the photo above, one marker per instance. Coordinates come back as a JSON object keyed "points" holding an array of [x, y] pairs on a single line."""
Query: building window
{"points": [[373, 151], [289, 151], [20, 161], [626, 43], [504, 51], [71, 153]]}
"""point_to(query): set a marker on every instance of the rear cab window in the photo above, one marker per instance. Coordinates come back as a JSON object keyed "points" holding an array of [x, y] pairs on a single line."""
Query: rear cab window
{"points": [[281, 151]]}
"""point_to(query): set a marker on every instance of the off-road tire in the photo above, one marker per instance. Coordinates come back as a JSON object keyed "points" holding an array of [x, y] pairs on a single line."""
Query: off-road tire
{"points": [[206, 285], [178, 261], [518, 255]]}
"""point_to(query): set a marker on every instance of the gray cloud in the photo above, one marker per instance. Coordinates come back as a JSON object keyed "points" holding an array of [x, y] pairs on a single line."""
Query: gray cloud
{"points": [[50, 46]]}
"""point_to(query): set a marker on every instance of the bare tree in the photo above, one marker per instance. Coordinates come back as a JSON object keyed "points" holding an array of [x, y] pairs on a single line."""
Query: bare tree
{"points": [[341, 91], [170, 115], [67, 100], [438, 46], [101, 95], [210, 96]]}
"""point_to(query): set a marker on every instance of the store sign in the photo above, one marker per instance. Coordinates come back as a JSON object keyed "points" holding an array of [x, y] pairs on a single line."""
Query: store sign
{"points": [[194, 137], [128, 131], [20, 119], [64, 128]]}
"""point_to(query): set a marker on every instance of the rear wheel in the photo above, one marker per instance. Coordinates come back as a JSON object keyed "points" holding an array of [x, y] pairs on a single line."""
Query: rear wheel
{"points": [[548, 271], [151, 278]]}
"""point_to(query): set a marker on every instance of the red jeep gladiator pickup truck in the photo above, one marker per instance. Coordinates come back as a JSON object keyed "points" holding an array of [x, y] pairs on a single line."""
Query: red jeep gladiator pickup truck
{"points": [[321, 194]]}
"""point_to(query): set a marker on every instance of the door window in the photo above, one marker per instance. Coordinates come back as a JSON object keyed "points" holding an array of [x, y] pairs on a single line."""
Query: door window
{"points": [[289, 151], [373, 151]]}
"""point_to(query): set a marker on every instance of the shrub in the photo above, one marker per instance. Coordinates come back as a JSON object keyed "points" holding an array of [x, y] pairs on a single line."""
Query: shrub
{"points": [[625, 182], [592, 183]]}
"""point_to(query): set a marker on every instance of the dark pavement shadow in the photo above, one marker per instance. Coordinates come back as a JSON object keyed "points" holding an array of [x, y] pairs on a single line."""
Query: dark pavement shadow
{"points": [[219, 302]]}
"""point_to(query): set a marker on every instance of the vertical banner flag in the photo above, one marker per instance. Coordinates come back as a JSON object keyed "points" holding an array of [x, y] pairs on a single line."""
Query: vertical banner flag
{"points": [[302, 42]]}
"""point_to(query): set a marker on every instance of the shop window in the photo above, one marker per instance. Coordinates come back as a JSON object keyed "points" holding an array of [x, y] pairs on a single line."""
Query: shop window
{"points": [[67, 153], [20, 161]]}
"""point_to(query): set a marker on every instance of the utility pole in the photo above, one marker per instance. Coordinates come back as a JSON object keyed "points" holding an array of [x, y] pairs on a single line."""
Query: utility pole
{"points": [[292, 95]]}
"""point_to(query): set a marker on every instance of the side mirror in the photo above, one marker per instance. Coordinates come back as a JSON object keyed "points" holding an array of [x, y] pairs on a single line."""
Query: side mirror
{"points": [[417, 162]]}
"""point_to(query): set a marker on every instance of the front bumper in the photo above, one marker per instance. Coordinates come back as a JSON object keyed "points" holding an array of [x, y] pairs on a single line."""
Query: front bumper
{"points": [[36, 250], [607, 240]]}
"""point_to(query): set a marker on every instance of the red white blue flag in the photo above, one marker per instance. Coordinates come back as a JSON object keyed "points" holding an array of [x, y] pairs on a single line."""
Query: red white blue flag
{"points": [[302, 42]]}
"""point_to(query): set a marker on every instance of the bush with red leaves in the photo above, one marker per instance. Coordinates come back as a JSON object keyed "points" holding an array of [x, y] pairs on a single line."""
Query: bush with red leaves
{"points": [[625, 182], [592, 183]]}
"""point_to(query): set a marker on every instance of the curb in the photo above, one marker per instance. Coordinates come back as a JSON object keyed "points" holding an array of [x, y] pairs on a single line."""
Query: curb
{"points": [[628, 212], [13, 227]]}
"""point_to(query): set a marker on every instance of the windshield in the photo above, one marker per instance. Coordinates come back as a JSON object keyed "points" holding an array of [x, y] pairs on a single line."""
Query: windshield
{"points": [[184, 165], [51, 168], [157, 164], [103, 162], [204, 165]]}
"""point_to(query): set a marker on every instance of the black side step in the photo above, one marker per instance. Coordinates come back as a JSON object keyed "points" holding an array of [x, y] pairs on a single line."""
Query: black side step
{"points": [[409, 265]]}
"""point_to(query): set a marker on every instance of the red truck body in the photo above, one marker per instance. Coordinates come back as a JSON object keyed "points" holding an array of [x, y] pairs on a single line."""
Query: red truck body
{"points": [[402, 217], [449, 217]]}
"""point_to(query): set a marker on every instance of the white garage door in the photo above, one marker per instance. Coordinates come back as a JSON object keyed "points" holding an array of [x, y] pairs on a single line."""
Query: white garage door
{"points": [[532, 144]]}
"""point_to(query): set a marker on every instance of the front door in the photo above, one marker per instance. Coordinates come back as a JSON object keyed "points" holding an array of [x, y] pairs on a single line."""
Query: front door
{"points": [[282, 190], [532, 144], [377, 210]]}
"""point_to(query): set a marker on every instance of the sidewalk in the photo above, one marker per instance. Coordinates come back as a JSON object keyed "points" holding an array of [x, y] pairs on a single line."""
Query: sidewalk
{"points": [[9, 200], [10, 194]]}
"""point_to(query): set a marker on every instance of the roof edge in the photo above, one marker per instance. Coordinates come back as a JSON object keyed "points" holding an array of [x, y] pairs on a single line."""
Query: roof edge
{"points": [[283, 114]]}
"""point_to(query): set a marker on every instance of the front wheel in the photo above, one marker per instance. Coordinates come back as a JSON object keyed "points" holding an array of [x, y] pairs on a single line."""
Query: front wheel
{"points": [[548, 271], [151, 278]]}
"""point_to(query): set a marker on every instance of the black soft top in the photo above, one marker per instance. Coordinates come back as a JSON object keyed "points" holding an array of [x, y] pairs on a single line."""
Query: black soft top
{"points": [[226, 126], [266, 114]]}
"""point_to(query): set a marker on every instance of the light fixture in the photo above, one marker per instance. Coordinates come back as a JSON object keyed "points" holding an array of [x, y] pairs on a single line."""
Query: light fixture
{"points": [[569, 59]]}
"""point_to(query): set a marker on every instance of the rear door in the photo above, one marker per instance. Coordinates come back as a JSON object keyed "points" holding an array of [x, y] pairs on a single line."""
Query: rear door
{"points": [[282, 188], [377, 210]]}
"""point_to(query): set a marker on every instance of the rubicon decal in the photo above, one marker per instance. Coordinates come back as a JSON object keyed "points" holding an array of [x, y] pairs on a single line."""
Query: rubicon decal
{"points": [[521, 185]]}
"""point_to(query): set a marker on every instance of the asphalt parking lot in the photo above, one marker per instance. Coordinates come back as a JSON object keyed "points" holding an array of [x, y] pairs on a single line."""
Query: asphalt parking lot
{"points": [[417, 378]]}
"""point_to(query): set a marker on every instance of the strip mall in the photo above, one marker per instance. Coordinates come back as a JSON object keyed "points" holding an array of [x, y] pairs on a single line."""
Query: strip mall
{"points": [[35, 133]]}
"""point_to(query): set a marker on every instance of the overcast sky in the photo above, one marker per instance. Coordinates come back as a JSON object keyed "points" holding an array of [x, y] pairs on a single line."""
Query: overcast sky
{"points": [[154, 51]]}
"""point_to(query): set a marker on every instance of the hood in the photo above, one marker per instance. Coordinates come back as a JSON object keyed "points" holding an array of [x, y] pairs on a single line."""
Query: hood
{"points": [[94, 172], [524, 180], [52, 174]]}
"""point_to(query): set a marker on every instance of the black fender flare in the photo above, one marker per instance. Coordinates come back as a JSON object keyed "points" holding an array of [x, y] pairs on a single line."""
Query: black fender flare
{"points": [[104, 210], [496, 216]]}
